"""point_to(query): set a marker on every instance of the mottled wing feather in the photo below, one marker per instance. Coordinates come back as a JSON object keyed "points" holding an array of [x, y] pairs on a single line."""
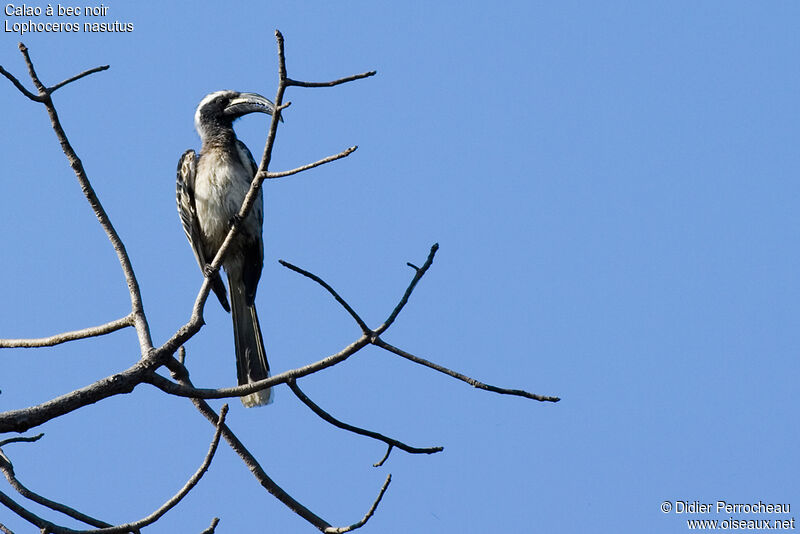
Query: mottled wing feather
{"points": [[254, 252], [187, 169]]}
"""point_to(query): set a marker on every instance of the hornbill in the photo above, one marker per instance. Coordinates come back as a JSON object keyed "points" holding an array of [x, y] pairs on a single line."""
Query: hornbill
{"points": [[211, 187]]}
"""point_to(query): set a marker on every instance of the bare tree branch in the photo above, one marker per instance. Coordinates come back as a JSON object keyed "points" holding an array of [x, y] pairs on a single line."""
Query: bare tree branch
{"points": [[8, 471], [137, 309], [292, 383], [57, 339], [106, 528], [19, 85], [180, 373], [3, 528], [77, 77], [182, 390], [340, 155], [385, 456], [471, 381], [297, 83], [178, 497], [26, 418], [359, 524], [21, 439], [211, 529], [30, 517], [334, 294], [419, 274]]}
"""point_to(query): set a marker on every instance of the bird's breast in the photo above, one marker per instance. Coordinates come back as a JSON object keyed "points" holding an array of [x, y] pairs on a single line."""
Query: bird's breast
{"points": [[220, 187]]}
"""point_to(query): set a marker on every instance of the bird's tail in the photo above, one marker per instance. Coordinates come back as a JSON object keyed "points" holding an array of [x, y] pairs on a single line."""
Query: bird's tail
{"points": [[251, 358]]}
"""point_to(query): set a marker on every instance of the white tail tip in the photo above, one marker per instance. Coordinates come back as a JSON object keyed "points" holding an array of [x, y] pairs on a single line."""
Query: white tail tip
{"points": [[259, 398]]}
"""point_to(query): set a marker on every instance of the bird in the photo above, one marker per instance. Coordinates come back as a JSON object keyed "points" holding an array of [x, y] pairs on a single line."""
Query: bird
{"points": [[211, 187]]}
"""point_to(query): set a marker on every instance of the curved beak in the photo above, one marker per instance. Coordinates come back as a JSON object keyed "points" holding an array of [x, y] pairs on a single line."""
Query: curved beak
{"points": [[249, 103]]}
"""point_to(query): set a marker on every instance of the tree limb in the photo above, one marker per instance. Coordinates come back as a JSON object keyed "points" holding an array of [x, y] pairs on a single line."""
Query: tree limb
{"points": [[178, 497], [64, 337], [334, 294], [292, 383], [30, 517], [297, 83], [137, 308], [8, 471], [363, 521], [471, 381], [213, 527], [281, 174], [26, 418], [21, 439], [420, 272]]}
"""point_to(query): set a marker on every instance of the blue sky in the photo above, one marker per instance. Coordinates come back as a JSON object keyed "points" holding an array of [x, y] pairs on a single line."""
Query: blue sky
{"points": [[614, 188]]}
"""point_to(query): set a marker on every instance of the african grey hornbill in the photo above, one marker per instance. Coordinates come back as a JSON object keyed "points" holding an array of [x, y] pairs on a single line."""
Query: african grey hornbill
{"points": [[211, 188]]}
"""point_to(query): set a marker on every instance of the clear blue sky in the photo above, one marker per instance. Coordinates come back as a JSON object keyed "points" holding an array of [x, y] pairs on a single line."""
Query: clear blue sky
{"points": [[614, 187]]}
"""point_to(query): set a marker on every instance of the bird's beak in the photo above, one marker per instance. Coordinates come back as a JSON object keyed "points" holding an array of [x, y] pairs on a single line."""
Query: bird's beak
{"points": [[249, 103]]}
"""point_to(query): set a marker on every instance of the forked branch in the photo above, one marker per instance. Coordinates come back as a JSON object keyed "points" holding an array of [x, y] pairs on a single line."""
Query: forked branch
{"points": [[44, 96], [103, 527], [181, 374]]}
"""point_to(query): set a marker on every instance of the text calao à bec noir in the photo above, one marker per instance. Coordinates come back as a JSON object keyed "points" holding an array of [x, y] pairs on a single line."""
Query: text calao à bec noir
{"points": [[59, 10]]}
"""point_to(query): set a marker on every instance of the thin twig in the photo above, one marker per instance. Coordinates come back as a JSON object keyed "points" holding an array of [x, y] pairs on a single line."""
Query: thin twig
{"points": [[25, 514], [385, 457], [213, 527], [106, 528], [137, 308], [92, 331], [134, 527], [5, 529], [21, 439], [19, 85], [420, 272], [359, 524], [297, 83], [340, 155], [364, 328], [178, 497], [32, 71], [471, 381], [8, 471], [292, 383], [77, 77]]}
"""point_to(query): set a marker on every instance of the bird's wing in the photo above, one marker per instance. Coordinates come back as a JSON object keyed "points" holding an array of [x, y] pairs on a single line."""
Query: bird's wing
{"points": [[187, 170]]}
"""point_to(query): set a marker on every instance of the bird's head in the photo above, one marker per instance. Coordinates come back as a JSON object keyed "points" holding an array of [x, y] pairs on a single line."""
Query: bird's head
{"points": [[218, 110]]}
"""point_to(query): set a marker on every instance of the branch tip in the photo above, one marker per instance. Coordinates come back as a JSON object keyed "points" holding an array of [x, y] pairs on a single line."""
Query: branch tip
{"points": [[367, 516], [22, 439], [292, 383]]}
